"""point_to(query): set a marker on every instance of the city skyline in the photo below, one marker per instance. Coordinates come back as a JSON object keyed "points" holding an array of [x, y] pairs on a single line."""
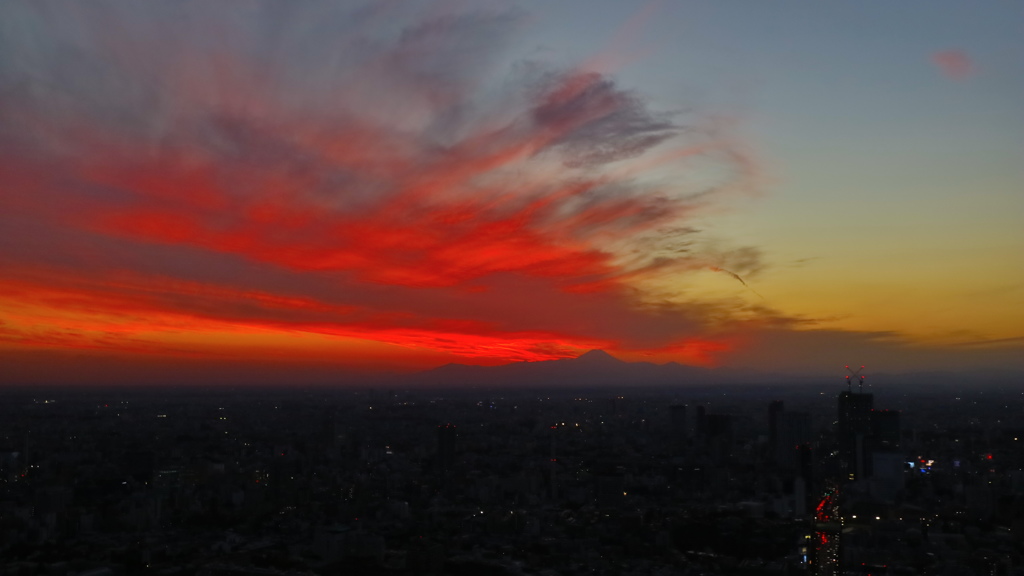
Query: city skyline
{"points": [[271, 192]]}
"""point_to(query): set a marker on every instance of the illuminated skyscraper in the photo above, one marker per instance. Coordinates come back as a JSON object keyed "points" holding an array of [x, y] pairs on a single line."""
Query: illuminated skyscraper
{"points": [[824, 555]]}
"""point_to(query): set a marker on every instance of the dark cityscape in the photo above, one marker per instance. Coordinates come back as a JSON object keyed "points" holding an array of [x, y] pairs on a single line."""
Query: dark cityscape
{"points": [[672, 480]]}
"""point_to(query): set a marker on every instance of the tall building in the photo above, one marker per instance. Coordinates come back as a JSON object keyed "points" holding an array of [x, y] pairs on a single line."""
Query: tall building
{"points": [[825, 554], [700, 427], [774, 410], [853, 430], [805, 466], [446, 438], [885, 428], [793, 431], [677, 426], [553, 465], [719, 435], [887, 476]]}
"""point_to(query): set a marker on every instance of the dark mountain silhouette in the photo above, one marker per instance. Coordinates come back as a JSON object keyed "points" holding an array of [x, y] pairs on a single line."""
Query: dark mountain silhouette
{"points": [[594, 368]]}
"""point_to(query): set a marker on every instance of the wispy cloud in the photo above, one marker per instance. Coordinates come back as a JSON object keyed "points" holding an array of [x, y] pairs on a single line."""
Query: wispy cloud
{"points": [[379, 173]]}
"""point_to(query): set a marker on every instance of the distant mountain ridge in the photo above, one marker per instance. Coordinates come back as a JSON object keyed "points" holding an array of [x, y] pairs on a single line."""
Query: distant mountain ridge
{"points": [[593, 368]]}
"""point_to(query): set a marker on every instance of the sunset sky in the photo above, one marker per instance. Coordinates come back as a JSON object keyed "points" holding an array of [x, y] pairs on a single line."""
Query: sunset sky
{"points": [[290, 191]]}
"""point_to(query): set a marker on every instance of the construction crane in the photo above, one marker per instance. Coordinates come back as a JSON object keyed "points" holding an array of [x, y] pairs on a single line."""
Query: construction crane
{"points": [[854, 375]]}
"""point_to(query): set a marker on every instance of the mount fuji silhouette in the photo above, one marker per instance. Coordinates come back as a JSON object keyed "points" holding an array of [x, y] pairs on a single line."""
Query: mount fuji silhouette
{"points": [[593, 368]]}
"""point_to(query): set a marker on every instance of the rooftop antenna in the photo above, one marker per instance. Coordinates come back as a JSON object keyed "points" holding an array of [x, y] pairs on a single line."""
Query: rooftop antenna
{"points": [[857, 376]]}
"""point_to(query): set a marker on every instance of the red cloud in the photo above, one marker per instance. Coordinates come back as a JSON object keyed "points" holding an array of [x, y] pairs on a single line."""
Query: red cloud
{"points": [[955, 64], [404, 190]]}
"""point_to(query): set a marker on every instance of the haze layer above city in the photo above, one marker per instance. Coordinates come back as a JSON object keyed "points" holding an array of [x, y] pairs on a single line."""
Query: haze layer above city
{"points": [[327, 191]]}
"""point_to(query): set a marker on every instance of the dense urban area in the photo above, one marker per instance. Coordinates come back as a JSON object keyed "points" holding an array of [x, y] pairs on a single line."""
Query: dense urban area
{"points": [[676, 480]]}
